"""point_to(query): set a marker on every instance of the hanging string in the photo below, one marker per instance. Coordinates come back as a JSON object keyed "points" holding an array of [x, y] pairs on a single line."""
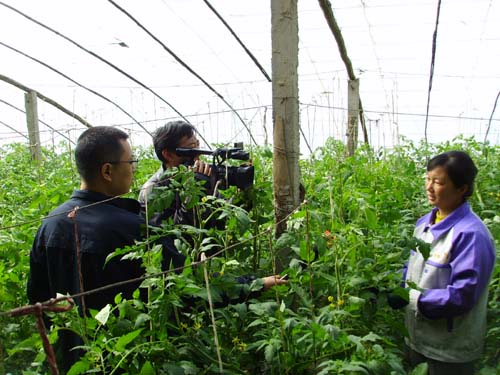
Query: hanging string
{"points": [[431, 75]]}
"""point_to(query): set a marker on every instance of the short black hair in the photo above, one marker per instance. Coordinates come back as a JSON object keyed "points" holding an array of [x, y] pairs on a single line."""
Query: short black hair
{"points": [[169, 135], [95, 146], [459, 167]]}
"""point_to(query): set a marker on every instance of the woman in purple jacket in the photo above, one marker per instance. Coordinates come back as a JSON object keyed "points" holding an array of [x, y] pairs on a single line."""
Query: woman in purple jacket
{"points": [[446, 313]]}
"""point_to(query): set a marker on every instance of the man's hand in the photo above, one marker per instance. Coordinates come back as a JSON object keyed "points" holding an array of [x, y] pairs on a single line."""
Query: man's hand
{"points": [[271, 281], [201, 167]]}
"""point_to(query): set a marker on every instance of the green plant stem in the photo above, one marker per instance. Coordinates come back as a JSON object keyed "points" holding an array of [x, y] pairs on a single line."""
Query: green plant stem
{"points": [[212, 315], [332, 202], [311, 275], [256, 246]]}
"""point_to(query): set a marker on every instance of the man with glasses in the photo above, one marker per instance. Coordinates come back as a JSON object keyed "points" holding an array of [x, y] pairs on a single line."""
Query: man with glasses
{"points": [[69, 251]]}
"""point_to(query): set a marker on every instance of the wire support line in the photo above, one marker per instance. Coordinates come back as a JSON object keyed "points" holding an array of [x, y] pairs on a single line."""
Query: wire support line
{"points": [[377, 58], [431, 73], [46, 99], [183, 64], [43, 131], [249, 53], [41, 121], [14, 130], [401, 113], [38, 309], [313, 105], [266, 231], [491, 117], [305, 139], [135, 192], [76, 83], [121, 71], [59, 214]]}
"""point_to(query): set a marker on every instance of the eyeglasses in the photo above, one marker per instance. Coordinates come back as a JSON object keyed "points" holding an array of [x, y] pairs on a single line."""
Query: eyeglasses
{"points": [[133, 163]]}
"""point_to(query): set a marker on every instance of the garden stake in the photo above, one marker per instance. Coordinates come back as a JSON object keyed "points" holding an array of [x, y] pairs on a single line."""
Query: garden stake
{"points": [[212, 316], [309, 268], [37, 309], [148, 248], [72, 216]]}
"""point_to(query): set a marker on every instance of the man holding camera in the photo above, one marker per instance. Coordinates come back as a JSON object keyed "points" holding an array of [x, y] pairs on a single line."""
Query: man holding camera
{"points": [[166, 139]]}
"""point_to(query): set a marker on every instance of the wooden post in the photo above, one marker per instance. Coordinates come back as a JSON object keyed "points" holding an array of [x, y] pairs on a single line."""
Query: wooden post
{"points": [[286, 133], [30, 103], [352, 116], [352, 133]]}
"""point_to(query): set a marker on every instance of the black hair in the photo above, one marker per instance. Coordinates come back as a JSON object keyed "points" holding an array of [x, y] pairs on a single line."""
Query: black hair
{"points": [[459, 167], [169, 135], [95, 146]]}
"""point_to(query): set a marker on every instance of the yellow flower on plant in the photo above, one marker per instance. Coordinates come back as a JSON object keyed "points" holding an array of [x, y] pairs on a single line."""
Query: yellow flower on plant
{"points": [[240, 345], [330, 299], [329, 237]]}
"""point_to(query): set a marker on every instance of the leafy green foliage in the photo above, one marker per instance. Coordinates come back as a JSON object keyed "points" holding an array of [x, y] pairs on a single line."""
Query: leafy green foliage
{"points": [[348, 242]]}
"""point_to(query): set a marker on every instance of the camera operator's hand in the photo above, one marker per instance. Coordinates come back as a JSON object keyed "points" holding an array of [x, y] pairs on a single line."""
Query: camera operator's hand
{"points": [[201, 167], [271, 281]]}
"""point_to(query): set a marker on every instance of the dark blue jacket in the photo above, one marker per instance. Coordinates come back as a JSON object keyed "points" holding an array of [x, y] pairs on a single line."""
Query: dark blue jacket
{"points": [[101, 229]]}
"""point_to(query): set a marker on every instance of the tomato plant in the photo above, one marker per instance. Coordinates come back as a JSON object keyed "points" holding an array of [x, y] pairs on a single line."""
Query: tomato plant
{"points": [[347, 242]]}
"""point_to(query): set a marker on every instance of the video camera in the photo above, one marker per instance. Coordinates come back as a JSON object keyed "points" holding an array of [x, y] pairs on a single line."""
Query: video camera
{"points": [[239, 176]]}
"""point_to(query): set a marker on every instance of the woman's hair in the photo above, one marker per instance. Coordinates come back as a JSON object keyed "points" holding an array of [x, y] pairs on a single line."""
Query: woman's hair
{"points": [[459, 167]]}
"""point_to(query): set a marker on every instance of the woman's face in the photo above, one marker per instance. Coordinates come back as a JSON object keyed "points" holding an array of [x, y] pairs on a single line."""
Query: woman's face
{"points": [[441, 192]]}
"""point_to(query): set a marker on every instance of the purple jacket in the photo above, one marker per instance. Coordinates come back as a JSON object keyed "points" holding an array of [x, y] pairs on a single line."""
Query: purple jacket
{"points": [[446, 316]]}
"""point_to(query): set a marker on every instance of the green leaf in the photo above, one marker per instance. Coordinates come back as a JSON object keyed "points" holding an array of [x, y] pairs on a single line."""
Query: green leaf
{"points": [[256, 322], [285, 240], [354, 367], [147, 369], [404, 292], [173, 369], [79, 367], [306, 252], [269, 353], [371, 218], [371, 337], [423, 247], [421, 369], [124, 340], [141, 319]]}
